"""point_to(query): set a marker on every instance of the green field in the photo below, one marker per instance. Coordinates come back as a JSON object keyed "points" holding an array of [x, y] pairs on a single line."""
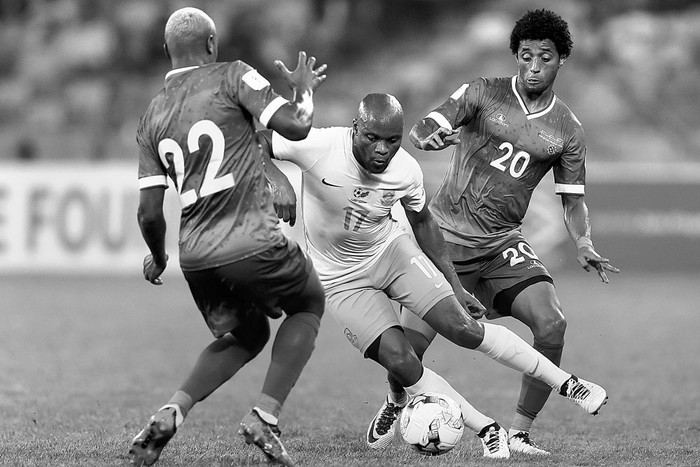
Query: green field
{"points": [[85, 360]]}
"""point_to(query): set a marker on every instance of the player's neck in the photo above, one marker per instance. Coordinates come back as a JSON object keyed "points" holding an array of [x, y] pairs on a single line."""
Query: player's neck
{"points": [[188, 61], [535, 101]]}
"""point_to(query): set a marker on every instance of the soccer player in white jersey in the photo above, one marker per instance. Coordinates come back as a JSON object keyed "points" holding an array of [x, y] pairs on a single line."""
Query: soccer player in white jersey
{"points": [[508, 133], [351, 178]]}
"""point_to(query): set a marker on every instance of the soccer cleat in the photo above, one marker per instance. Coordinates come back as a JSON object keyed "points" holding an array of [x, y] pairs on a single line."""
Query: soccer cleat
{"points": [[255, 431], [148, 444], [589, 396], [521, 442], [382, 429], [495, 442]]}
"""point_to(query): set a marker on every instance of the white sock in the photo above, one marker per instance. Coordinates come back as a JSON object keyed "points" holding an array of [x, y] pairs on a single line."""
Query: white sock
{"points": [[432, 382], [398, 399], [179, 417], [507, 348], [265, 416]]}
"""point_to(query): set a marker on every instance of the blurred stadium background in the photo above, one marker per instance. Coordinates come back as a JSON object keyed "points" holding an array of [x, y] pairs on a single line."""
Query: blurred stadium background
{"points": [[76, 74]]}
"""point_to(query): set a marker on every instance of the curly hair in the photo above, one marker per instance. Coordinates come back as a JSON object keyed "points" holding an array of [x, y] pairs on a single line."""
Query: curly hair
{"points": [[539, 25]]}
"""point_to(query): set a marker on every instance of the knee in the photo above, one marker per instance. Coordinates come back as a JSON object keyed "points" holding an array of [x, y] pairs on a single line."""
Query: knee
{"points": [[551, 329], [403, 367], [253, 336]]}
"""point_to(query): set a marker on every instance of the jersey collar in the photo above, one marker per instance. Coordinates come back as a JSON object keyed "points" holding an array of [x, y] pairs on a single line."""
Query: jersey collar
{"points": [[524, 107], [179, 70]]}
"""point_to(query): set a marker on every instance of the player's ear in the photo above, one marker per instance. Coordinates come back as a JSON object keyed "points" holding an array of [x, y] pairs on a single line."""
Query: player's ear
{"points": [[165, 49], [211, 45]]}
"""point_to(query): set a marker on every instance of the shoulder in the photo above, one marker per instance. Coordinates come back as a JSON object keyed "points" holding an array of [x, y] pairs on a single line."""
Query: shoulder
{"points": [[571, 123], [404, 162], [147, 116]]}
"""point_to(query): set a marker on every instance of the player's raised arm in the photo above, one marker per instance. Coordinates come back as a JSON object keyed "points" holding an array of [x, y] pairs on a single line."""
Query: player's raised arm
{"points": [[429, 135], [578, 224], [293, 120]]}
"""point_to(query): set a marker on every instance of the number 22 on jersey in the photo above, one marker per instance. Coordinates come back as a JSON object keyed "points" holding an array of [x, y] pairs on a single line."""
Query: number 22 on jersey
{"points": [[210, 182]]}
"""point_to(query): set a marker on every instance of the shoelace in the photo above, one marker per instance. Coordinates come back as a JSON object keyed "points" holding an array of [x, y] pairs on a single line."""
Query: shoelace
{"points": [[387, 418], [493, 444], [577, 391]]}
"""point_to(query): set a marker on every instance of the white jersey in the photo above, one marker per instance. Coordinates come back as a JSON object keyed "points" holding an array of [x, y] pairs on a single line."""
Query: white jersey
{"points": [[345, 208]]}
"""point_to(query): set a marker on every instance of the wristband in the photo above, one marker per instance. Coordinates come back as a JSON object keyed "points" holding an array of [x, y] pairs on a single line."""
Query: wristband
{"points": [[584, 241]]}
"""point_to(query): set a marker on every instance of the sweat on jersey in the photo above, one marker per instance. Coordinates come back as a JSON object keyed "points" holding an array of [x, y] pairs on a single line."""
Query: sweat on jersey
{"points": [[347, 209], [504, 152], [199, 131]]}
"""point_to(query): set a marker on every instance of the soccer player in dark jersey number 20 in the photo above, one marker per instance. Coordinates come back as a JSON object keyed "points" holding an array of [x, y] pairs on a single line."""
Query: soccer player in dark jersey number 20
{"points": [[240, 268], [507, 134]]}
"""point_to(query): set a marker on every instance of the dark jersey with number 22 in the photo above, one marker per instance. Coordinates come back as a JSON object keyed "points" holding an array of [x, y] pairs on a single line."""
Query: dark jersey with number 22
{"points": [[199, 131], [504, 152]]}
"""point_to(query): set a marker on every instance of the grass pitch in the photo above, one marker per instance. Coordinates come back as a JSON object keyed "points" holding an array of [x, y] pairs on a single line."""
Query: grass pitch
{"points": [[84, 361]]}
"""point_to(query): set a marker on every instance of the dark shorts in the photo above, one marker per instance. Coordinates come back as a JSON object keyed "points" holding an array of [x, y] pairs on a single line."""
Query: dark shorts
{"points": [[263, 283], [498, 277]]}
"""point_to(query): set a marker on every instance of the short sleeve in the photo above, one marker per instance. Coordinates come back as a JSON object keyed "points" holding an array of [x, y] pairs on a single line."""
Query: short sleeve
{"points": [[304, 153], [151, 170], [414, 199], [460, 107], [252, 91], [570, 169]]}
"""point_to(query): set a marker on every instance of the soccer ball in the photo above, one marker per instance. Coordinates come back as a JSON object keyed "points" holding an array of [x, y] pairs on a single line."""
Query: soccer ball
{"points": [[431, 423]]}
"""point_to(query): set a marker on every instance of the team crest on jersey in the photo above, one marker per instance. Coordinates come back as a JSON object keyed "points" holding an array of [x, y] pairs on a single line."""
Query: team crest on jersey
{"points": [[359, 194], [555, 144], [388, 198], [500, 119]]}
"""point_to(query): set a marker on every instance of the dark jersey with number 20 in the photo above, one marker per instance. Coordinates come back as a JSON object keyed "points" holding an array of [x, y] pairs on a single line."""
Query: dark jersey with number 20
{"points": [[504, 152], [199, 131]]}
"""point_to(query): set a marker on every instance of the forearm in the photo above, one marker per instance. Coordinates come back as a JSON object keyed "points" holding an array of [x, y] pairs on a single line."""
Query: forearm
{"points": [[431, 241], [577, 222], [153, 232], [421, 131]]}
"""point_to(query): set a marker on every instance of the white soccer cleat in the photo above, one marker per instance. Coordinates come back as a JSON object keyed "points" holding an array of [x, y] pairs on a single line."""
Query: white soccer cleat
{"points": [[589, 396], [382, 429], [521, 442], [495, 441]]}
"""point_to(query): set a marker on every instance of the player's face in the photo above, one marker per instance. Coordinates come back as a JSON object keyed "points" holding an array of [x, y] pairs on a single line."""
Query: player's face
{"points": [[376, 141], [538, 64]]}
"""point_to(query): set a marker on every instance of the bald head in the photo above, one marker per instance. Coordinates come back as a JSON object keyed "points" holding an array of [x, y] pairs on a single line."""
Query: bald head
{"points": [[190, 37], [381, 109], [377, 131]]}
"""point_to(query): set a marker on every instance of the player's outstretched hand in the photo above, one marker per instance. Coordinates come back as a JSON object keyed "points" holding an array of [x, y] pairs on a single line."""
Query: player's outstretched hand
{"points": [[440, 139], [304, 77], [153, 270], [588, 258], [470, 303]]}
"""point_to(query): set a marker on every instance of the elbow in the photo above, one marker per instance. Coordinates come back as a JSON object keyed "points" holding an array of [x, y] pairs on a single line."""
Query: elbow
{"points": [[413, 136], [296, 132], [148, 219]]}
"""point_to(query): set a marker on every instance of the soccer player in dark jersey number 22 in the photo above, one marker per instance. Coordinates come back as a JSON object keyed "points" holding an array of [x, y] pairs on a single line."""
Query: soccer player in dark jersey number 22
{"points": [[241, 270], [508, 133]]}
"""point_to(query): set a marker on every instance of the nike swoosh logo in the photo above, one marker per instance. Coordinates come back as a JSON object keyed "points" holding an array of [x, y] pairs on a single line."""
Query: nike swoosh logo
{"points": [[437, 286], [370, 433], [323, 180]]}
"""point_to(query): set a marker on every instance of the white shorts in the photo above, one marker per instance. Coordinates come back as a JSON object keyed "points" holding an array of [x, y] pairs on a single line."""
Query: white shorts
{"points": [[363, 305]]}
